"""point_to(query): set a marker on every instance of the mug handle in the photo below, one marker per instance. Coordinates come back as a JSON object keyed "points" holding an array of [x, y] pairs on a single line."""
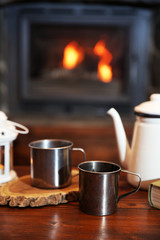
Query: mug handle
{"points": [[84, 156], [82, 150], [133, 191]]}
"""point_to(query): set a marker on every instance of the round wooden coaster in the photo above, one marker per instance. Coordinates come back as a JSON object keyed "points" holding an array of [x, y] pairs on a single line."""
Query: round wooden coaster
{"points": [[20, 193]]}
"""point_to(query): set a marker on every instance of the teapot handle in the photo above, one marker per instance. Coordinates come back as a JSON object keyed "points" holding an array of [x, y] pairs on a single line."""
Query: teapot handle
{"points": [[24, 129], [133, 191]]}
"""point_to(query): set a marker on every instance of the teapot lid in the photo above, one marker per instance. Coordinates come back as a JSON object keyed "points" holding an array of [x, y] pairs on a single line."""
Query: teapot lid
{"points": [[150, 109]]}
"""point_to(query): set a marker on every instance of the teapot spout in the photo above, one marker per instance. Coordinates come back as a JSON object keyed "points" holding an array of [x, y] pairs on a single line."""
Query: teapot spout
{"points": [[122, 142]]}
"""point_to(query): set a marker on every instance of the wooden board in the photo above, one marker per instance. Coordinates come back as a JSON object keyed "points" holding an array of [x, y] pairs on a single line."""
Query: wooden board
{"points": [[20, 193]]}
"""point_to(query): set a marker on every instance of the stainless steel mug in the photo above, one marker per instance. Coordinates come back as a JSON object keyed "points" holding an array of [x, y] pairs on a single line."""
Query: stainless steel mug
{"points": [[51, 163], [98, 187]]}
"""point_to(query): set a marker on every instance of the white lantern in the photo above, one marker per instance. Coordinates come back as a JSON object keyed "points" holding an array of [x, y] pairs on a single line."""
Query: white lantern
{"points": [[8, 133]]}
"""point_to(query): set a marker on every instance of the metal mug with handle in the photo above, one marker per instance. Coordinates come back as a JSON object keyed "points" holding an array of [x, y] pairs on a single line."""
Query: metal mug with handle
{"points": [[51, 163], [98, 187]]}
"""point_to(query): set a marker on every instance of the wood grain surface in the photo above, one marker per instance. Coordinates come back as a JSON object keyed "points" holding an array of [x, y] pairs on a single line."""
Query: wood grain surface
{"points": [[133, 220]]}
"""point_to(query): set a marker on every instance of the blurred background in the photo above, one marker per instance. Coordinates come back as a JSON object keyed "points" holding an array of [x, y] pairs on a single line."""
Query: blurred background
{"points": [[64, 64]]}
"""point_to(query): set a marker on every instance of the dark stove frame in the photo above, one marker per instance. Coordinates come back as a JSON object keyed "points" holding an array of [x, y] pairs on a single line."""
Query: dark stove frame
{"points": [[18, 19]]}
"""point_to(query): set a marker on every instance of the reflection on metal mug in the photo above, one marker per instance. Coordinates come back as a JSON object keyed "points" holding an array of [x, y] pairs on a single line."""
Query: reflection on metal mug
{"points": [[51, 163], [98, 187]]}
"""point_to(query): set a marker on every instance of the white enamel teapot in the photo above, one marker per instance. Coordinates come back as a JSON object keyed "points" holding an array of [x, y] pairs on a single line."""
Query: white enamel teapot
{"points": [[143, 156]]}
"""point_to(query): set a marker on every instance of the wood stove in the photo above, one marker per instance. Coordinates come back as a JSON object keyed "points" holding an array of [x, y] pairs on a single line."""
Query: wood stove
{"points": [[76, 58]]}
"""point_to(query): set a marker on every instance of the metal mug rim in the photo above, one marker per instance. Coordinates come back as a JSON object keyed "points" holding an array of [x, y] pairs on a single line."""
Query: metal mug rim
{"points": [[70, 144], [101, 173]]}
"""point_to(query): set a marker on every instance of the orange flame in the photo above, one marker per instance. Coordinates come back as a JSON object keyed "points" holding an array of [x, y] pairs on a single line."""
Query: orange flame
{"points": [[101, 51], [73, 55], [99, 48], [104, 71]]}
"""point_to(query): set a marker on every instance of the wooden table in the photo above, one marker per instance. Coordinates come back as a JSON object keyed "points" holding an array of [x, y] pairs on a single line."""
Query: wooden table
{"points": [[134, 219]]}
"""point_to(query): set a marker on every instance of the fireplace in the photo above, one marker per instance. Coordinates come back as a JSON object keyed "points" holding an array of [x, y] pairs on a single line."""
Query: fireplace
{"points": [[75, 58]]}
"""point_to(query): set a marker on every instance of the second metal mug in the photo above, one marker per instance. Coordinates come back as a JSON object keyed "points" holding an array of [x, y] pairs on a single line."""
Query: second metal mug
{"points": [[98, 187], [51, 163]]}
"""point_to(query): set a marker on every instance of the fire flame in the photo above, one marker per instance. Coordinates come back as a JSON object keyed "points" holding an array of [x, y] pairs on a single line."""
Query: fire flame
{"points": [[104, 71], [73, 55], [101, 51]]}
